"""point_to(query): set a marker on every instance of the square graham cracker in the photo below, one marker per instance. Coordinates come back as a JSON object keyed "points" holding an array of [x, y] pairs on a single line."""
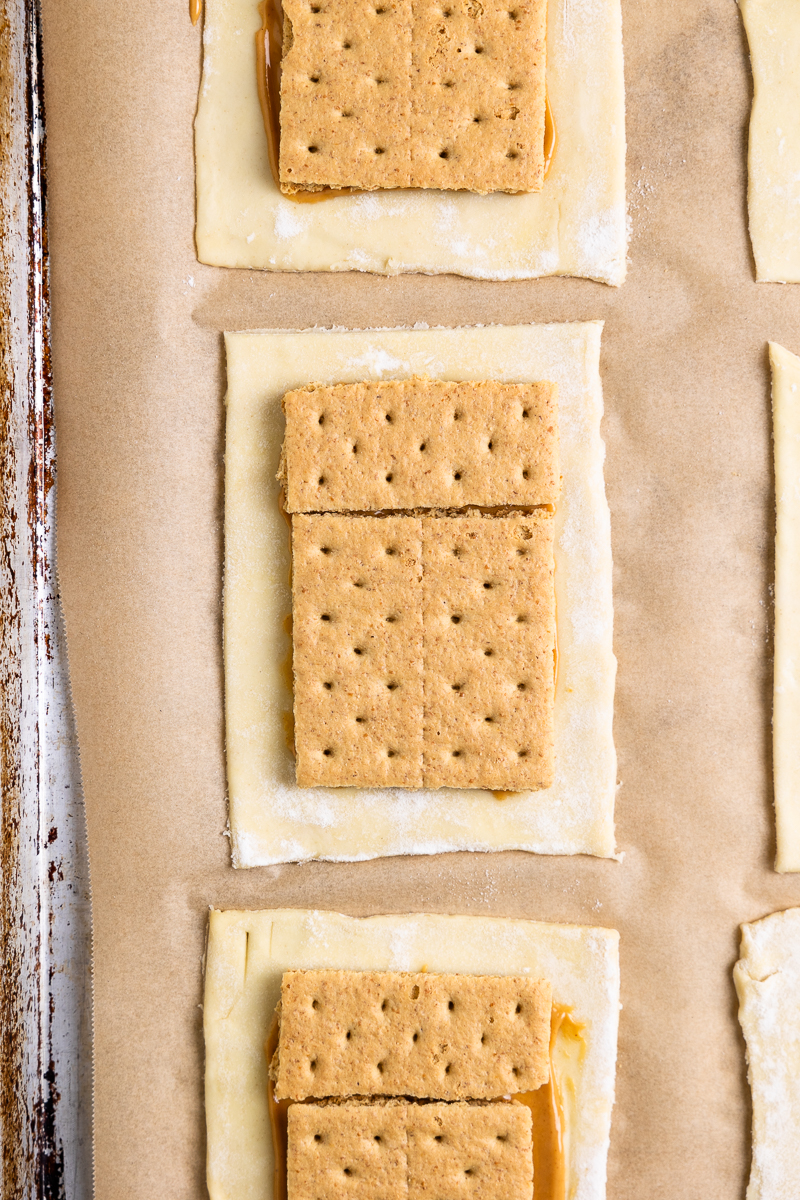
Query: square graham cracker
{"points": [[420, 443], [442, 1037], [399, 1151], [424, 651], [357, 650], [470, 1152], [413, 94], [347, 1152], [489, 641]]}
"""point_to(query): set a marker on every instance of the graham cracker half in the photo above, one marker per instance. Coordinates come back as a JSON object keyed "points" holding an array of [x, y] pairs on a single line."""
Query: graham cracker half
{"points": [[399, 1151], [413, 93], [470, 1152], [420, 442], [443, 1037], [347, 1152], [489, 646], [345, 118], [357, 656], [478, 94]]}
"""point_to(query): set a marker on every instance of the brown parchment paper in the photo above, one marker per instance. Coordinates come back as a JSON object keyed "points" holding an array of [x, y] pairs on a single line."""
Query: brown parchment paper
{"points": [[139, 382]]}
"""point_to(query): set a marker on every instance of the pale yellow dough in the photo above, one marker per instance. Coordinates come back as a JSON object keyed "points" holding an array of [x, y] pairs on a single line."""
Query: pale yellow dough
{"points": [[773, 32], [767, 978], [272, 820], [249, 951], [786, 700], [574, 226]]}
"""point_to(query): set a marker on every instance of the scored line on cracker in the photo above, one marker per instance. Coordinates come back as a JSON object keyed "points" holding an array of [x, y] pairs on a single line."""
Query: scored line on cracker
{"points": [[423, 651], [402, 1151]]}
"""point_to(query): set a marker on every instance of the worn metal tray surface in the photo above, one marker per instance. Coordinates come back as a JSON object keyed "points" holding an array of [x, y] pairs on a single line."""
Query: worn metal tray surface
{"points": [[45, 915]]}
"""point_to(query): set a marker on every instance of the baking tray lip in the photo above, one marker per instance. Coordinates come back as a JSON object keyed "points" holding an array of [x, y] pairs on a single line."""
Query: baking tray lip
{"points": [[45, 908]]}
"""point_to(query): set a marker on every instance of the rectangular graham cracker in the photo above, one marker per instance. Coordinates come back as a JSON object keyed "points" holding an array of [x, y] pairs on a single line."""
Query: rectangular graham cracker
{"points": [[442, 1037], [478, 95], [346, 94], [489, 641], [357, 658], [420, 443], [393, 94], [400, 1151]]}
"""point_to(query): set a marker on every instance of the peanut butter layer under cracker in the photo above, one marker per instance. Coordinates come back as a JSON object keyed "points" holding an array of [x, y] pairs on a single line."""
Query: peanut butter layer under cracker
{"points": [[357, 657], [489, 643], [420, 443], [400, 1151], [442, 1037], [411, 93]]}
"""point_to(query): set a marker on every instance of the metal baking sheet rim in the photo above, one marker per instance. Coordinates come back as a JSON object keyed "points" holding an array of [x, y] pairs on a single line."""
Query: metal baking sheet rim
{"points": [[45, 902]]}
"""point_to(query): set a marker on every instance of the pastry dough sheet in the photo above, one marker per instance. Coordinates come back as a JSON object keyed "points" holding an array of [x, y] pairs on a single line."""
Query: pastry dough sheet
{"points": [[773, 195], [575, 226], [786, 698], [272, 820], [249, 951], [767, 978]]}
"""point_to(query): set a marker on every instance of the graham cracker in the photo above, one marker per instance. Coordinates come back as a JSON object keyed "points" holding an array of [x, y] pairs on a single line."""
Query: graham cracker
{"points": [[411, 93], [470, 1152], [347, 1152], [478, 94], [401, 1151], [489, 644], [357, 650], [345, 118], [442, 1037], [420, 442]]}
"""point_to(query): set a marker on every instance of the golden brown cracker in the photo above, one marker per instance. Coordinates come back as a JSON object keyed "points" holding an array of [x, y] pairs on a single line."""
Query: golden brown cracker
{"points": [[346, 94], [478, 94], [357, 650], [489, 643], [420, 442], [445, 1037], [413, 93], [347, 1152], [469, 1152]]}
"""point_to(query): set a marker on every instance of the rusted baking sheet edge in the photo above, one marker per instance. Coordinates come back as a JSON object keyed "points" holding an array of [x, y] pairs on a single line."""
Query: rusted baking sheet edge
{"points": [[45, 912]]}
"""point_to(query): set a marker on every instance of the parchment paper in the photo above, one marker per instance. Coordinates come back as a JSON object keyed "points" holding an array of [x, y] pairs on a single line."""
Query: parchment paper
{"points": [[137, 358]]}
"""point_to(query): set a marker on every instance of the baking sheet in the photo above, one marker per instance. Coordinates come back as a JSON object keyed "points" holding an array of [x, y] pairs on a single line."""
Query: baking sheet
{"points": [[138, 369]]}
